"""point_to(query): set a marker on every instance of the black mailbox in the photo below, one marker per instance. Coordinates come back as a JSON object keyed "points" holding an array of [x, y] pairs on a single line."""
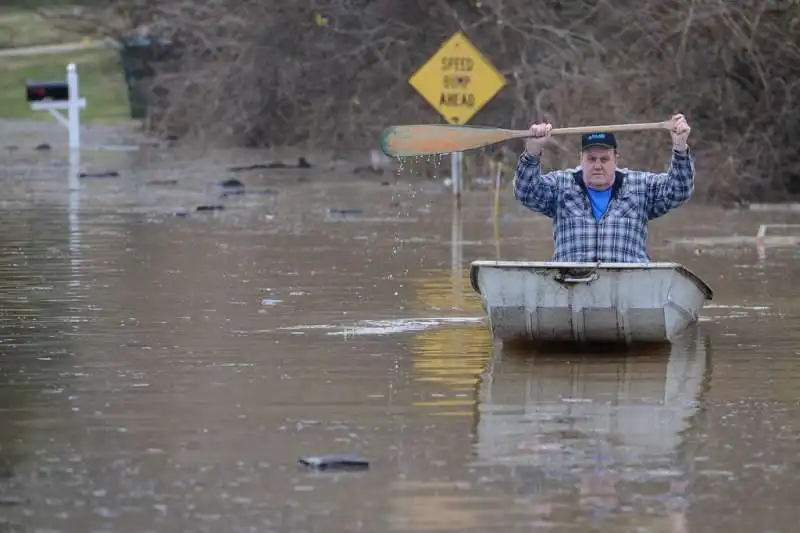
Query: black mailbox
{"points": [[47, 90]]}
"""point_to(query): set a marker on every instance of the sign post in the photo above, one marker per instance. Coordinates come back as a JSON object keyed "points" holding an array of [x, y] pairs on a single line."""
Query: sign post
{"points": [[457, 81]]}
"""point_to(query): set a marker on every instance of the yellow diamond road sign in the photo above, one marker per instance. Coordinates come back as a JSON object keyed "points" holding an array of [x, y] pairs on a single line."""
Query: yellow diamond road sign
{"points": [[457, 80]]}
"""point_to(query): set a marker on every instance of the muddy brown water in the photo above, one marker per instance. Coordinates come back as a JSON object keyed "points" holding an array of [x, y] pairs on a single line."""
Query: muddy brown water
{"points": [[162, 369]]}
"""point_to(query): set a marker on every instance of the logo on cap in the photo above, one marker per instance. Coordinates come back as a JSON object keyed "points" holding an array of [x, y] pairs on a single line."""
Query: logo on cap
{"points": [[598, 138]]}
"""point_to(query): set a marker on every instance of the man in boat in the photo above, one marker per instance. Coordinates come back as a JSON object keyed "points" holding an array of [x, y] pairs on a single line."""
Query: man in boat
{"points": [[600, 212]]}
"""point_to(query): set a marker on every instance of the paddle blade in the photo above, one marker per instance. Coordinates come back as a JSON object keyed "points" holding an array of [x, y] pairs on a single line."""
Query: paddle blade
{"points": [[425, 139]]}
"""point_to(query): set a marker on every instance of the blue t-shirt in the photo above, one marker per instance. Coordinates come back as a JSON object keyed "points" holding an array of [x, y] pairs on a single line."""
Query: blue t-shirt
{"points": [[599, 201]]}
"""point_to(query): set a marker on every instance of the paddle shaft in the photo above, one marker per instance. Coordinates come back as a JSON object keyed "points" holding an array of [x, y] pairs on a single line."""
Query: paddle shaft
{"points": [[592, 129]]}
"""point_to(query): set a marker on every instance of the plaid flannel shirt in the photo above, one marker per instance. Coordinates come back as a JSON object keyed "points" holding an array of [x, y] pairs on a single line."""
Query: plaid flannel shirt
{"points": [[621, 234]]}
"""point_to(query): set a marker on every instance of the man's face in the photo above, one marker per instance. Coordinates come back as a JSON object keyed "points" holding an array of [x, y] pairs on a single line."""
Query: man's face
{"points": [[599, 164]]}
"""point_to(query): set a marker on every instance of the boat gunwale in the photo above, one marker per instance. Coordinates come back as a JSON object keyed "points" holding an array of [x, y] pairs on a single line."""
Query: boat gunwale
{"points": [[608, 267]]}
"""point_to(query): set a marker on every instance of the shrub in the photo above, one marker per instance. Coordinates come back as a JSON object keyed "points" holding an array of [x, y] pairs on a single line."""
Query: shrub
{"points": [[335, 72]]}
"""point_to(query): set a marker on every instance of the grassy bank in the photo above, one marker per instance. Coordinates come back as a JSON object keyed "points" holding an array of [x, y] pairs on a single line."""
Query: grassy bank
{"points": [[101, 78], [101, 82], [19, 27]]}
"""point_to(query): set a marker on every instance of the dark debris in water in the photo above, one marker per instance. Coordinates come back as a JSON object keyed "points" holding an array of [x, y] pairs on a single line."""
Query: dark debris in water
{"points": [[347, 461], [208, 207], [262, 192], [234, 187], [232, 183], [109, 174], [302, 162], [341, 214]]}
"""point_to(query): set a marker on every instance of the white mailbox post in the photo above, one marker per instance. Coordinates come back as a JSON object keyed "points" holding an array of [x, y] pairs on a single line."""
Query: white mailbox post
{"points": [[56, 96]]}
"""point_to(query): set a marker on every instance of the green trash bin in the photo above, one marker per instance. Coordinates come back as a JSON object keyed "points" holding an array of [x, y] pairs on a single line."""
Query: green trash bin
{"points": [[137, 55]]}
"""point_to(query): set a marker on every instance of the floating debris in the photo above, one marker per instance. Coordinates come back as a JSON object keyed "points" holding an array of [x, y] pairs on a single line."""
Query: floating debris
{"points": [[109, 174], [232, 183], [343, 214], [301, 163], [348, 461], [162, 182]]}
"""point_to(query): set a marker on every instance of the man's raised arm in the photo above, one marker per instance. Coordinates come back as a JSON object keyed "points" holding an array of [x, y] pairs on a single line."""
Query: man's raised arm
{"points": [[535, 191], [671, 189], [531, 188]]}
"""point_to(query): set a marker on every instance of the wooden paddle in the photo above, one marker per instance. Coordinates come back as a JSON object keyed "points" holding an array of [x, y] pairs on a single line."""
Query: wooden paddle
{"points": [[426, 139]]}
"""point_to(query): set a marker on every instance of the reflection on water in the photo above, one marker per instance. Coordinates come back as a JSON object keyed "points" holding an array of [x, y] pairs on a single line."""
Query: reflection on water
{"points": [[574, 440], [557, 410], [36, 322], [450, 361]]}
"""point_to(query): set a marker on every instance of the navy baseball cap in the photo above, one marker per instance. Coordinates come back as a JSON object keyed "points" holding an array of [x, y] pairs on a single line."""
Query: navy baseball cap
{"points": [[606, 140]]}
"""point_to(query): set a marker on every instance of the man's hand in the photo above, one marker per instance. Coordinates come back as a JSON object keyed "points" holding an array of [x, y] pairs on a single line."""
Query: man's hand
{"points": [[680, 133], [535, 144]]}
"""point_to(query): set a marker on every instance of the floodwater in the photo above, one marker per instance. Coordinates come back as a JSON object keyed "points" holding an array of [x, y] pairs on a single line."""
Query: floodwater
{"points": [[163, 369]]}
